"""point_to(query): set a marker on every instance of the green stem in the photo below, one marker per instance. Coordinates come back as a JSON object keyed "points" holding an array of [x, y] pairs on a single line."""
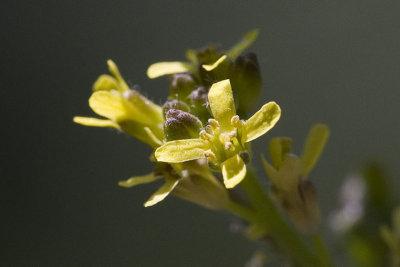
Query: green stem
{"points": [[269, 218], [241, 211], [322, 251]]}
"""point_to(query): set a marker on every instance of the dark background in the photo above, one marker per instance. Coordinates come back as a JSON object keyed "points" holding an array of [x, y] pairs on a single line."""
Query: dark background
{"points": [[335, 62]]}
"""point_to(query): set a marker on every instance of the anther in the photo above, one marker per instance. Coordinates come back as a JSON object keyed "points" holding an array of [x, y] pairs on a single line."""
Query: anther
{"points": [[227, 145], [214, 123], [232, 135], [210, 155], [209, 129], [236, 122], [204, 135]]}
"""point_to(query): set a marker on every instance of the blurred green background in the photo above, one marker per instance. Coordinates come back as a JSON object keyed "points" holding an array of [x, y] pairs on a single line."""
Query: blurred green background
{"points": [[335, 62]]}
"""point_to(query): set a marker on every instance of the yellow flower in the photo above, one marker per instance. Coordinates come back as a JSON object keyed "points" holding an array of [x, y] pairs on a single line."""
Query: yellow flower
{"points": [[125, 109], [224, 140], [165, 68]]}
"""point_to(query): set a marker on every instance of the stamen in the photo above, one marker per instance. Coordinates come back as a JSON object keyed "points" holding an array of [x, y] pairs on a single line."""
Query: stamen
{"points": [[209, 129], [232, 135], [236, 122], [210, 155], [204, 135], [235, 141], [224, 138], [228, 145], [214, 123]]}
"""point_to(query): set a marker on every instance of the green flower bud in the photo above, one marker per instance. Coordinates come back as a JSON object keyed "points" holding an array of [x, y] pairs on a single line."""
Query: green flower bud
{"points": [[199, 103], [181, 125], [181, 85], [175, 104], [246, 82], [208, 54], [278, 148]]}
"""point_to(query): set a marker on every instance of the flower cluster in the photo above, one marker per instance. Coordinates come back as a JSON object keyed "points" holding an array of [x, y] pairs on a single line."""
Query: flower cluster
{"points": [[201, 144], [197, 133]]}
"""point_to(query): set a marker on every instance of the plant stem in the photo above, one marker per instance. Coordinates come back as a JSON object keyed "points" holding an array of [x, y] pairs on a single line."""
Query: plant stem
{"points": [[269, 218], [321, 251], [242, 211]]}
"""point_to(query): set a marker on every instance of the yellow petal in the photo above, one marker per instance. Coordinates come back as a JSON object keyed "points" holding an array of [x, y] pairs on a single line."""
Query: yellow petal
{"points": [[216, 64], [222, 104], [112, 67], [181, 150], [246, 41], [107, 104], [95, 122], [161, 193], [145, 110], [262, 121], [140, 132], [313, 147], [138, 180], [233, 171], [105, 83], [152, 137], [165, 68]]}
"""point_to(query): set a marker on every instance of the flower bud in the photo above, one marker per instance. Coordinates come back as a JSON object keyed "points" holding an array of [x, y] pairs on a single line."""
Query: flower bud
{"points": [[279, 147], [304, 212], [181, 125], [208, 54], [175, 104], [181, 85], [199, 103], [246, 82]]}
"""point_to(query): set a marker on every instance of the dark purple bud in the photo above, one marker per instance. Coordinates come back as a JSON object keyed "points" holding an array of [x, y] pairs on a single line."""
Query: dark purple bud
{"points": [[181, 125], [175, 104], [181, 85]]}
